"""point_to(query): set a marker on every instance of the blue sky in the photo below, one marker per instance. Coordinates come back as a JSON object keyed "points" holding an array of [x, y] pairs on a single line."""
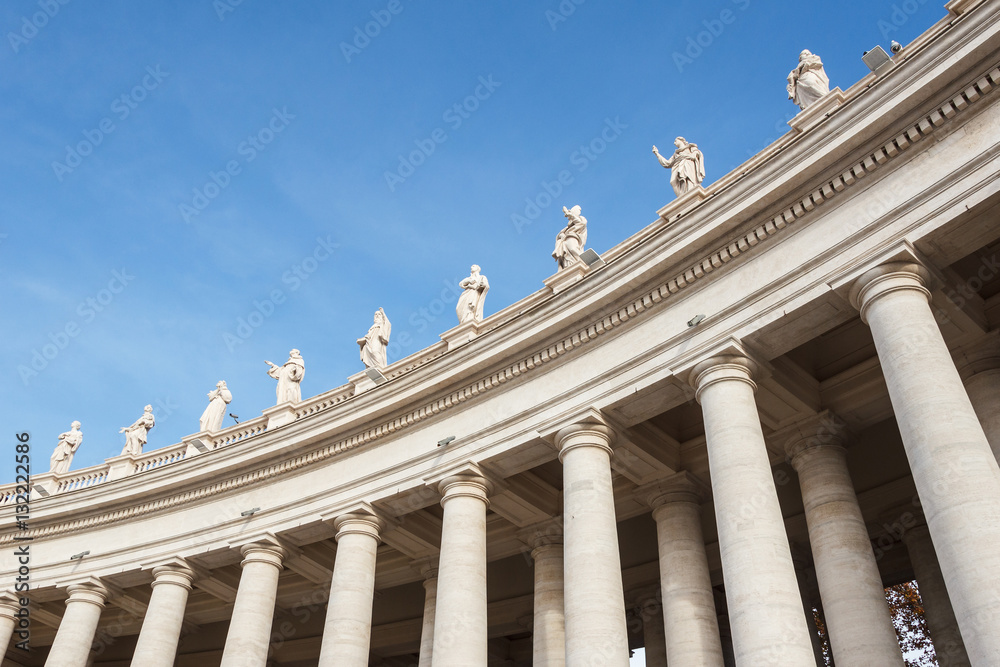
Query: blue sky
{"points": [[169, 168]]}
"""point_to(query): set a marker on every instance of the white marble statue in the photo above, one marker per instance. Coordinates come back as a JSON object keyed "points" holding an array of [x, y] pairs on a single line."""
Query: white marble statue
{"points": [[374, 343], [218, 399], [289, 376], [687, 166], [69, 442], [570, 242], [470, 304], [135, 435], [808, 82]]}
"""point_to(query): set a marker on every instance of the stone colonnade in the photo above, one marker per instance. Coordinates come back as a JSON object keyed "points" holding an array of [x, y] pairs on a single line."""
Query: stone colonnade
{"points": [[579, 616]]}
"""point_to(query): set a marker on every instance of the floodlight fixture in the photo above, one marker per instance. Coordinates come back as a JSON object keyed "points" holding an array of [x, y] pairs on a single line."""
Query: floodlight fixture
{"points": [[446, 441], [375, 375], [876, 58], [250, 512], [79, 556], [696, 320]]}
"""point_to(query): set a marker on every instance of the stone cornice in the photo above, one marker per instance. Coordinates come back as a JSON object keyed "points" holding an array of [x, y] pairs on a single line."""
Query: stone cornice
{"points": [[816, 195]]}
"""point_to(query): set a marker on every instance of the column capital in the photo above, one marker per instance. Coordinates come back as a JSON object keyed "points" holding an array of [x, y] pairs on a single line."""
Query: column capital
{"points": [[821, 430], [885, 279], [10, 604], [92, 591], [722, 368], [359, 523], [465, 485], [681, 487], [176, 572], [263, 552], [427, 567], [584, 434], [544, 533]]}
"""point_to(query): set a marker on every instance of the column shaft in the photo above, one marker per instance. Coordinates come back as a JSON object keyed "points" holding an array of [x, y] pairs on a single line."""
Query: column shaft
{"points": [[9, 607], [249, 634], [984, 392], [765, 610], [549, 626], [654, 642], [938, 612], [850, 585], [161, 626], [954, 469], [596, 629], [460, 625], [427, 628], [691, 626], [71, 647], [348, 629]]}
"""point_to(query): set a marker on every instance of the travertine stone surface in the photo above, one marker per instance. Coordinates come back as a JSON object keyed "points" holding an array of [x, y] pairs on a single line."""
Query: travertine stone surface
{"points": [[938, 612], [765, 609], [71, 647], [654, 643], [430, 574], [979, 367], [161, 626], [348, 629], [691, 627], [596, 630], [954, 470], [460, 631], [857, 616], [250, 627], [549, 626]]}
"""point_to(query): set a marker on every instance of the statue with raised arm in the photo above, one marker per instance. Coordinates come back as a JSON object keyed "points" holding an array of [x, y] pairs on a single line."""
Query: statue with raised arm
{"points": [[375, 342], [808, 82], [69, 442], [570, 242], [687, 166], [288, 376], [218, 399], [135, 435], [470, 303]]}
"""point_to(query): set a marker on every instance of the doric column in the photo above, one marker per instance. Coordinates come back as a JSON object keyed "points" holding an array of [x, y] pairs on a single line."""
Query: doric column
{"points": [[9, 607], [548, 638], [596, 631], [460, 627], [348, 629], [75, 636], [938, 612], [979, 368], [429, 571], [691, 627], [765, 610], [250, 625], [654, 642], [161, 626], [954, 470], [850, 586]]}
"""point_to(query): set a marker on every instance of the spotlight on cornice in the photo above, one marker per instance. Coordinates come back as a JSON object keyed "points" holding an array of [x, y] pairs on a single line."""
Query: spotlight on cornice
{"points": [[250, 512], [876, 58], [79, 555], [591, 258], [696, 320], [375, 375], [446, 441]]}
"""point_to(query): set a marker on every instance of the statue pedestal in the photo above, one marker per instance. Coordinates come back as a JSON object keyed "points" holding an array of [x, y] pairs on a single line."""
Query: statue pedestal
{"points": [[461, 334], [568, 276], [816, 112], [45, 484], [361, 382], [683, 204], [120, 466], [279, 415]]}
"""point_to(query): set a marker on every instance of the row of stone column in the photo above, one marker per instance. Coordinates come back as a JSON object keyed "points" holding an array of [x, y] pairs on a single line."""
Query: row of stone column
{"points": [[954, 469]]}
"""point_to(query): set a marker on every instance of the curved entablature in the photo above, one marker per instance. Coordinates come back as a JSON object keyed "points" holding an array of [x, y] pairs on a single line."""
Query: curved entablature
{"points": [[694, 238]]}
